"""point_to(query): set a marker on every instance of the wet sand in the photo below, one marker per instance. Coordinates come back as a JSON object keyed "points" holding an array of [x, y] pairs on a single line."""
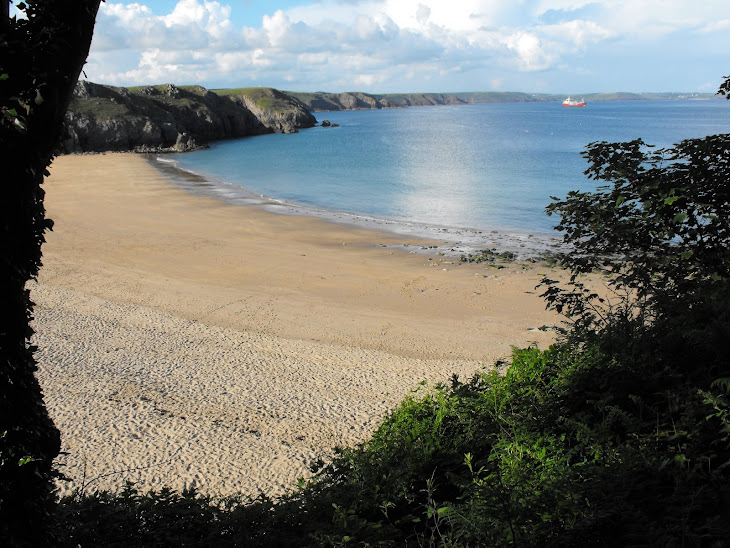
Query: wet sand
{"points": [[185, 341]]}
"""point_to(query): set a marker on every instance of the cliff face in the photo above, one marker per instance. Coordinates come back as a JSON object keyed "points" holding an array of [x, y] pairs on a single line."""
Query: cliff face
{"points": [[152, 118], [466, 98], [357, 101], [275, 109], [427, 99], [354, 100]]}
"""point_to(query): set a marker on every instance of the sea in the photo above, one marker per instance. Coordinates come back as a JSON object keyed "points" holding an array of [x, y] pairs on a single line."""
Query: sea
{"points": [[475, 176]]}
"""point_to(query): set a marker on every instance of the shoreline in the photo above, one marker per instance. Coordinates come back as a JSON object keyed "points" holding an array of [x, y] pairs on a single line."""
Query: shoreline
{"points": [[186, 342], [453, 241]]}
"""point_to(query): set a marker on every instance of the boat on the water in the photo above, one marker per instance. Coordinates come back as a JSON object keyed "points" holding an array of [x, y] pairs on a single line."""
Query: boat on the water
{"points": [[573, 103]]}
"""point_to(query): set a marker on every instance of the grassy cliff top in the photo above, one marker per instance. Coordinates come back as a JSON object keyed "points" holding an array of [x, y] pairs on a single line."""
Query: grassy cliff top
{"points": [[265, 98]]}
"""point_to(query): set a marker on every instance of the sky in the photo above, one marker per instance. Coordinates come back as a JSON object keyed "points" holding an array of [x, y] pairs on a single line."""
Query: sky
{"points": [[391, 46]]}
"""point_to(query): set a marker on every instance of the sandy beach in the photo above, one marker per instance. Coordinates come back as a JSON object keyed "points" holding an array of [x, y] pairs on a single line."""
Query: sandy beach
{"points": [[187, 342]]}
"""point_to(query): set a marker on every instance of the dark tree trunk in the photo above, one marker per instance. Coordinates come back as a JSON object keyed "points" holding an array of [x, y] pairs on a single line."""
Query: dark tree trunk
{"points": [[40, 61]]}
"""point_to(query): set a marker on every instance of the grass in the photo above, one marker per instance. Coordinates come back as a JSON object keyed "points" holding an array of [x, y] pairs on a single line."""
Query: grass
{"points": [[265, 98], [99, 108]]}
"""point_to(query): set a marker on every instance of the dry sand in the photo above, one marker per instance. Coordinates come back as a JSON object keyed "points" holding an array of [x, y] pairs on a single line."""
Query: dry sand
{"points": [[187, 342]]}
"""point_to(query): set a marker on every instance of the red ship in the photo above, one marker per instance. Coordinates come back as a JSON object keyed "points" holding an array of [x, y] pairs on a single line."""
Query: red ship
{"points": [[573, 103]]}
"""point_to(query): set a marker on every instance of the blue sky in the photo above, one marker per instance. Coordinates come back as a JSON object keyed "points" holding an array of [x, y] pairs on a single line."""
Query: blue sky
{"points": [[556, 46]]}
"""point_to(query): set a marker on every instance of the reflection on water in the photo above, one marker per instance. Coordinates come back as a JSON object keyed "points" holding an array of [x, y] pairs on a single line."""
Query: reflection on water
{"points": [[491, 166]]}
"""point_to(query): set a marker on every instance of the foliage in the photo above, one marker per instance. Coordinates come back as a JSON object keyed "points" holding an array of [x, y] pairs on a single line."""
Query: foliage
{"points": [[40, 59], [165, 518], [566, 449], [725, 88], [662, 225]]}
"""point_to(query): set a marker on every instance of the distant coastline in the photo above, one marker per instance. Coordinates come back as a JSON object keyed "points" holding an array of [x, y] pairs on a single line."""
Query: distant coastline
{"points": [[356, 100], [170, 118]]}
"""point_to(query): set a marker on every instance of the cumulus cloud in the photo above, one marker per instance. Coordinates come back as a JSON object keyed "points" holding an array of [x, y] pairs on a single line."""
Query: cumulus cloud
{"points": [[422, 14], [377, 45], [191, 26], [530, 51], [579, 33]]}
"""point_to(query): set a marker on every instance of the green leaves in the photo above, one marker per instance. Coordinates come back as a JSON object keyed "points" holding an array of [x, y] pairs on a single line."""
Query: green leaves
{"points": [[680, 218], [25, 460], [660, 223], [658, 227], [725, 88], [11, 118]]}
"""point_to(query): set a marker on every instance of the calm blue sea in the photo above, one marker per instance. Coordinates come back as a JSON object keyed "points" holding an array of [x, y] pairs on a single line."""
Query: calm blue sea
{"points": [[483, 167]]}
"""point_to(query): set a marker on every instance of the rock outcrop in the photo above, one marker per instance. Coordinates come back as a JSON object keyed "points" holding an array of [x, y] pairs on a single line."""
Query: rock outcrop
{"points": [[169, 118], [276, 110]]}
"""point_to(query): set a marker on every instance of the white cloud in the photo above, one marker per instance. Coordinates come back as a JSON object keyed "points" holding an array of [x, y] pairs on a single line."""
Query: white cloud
{"points": [[382, 45], [531, 53], [211, 16], [577, 33], [722, 25], [422, 14], [191, 25], [278, 28], [650, 19]]}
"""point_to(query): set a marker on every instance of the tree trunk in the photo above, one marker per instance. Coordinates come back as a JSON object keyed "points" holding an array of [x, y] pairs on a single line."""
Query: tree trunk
{"points": [[40, 61]]}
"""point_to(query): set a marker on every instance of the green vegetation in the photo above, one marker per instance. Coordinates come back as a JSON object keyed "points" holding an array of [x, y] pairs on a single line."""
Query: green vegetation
{"points": [[567, 448], [488, 256], [99, 108], [265, 98], [493, 257], [138, 89], [196, 89], [113, 103], [249, 92]]}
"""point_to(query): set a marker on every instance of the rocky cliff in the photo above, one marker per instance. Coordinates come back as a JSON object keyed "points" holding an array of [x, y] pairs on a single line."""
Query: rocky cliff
{"points": [[352, 100], [167, 117], [355, 100], [274, 109], [466, 98]]}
